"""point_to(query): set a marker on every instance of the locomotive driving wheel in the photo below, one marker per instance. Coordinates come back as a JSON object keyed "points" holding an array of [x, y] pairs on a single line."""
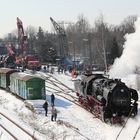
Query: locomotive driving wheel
{"points": [[106, 114]]}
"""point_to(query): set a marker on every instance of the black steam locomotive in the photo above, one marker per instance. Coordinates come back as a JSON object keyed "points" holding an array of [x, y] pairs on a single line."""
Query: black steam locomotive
{"points": [[107, 99]]}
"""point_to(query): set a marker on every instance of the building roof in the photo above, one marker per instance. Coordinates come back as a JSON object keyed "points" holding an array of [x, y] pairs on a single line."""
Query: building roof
{"points": [[23, 76], [7, 70]]}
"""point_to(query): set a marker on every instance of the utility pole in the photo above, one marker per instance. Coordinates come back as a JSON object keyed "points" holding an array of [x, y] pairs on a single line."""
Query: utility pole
{"points": [[90, 51], [88, 40], [104, 51], [73, 47]]}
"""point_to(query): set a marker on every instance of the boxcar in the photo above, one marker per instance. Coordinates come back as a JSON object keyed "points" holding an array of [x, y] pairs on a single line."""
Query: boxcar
{"points": [[5, 77], [27, 86]]}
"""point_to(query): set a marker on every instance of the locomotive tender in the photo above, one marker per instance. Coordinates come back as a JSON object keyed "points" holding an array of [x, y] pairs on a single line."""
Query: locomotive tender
{"points": [[107, 99]]}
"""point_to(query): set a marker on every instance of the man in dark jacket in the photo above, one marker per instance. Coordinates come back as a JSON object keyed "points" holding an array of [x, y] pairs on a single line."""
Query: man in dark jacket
{"points": [[45, 106], [52, 99]]}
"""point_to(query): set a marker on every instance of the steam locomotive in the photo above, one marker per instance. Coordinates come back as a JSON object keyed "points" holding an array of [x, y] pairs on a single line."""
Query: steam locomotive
{"points": [[107, 99]]}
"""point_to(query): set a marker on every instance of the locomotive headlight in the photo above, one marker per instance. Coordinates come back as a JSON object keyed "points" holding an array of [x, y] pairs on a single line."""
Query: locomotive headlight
{"points": [[122, 90]]}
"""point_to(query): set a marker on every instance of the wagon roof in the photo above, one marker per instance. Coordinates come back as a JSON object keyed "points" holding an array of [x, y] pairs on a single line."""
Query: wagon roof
{"points": [[7, 70], [23, 76]]}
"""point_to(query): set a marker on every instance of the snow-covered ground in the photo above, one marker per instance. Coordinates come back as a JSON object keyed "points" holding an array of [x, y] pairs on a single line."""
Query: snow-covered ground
{"points": [[73, 122]]}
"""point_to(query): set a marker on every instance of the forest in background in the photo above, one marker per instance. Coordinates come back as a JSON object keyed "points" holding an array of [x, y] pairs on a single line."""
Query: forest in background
{"points": [[102, 42]]}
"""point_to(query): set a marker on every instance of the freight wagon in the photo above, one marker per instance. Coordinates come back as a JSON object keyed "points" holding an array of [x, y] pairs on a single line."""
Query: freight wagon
{"points": [[27, 86], [24, 85], [5, 77]]}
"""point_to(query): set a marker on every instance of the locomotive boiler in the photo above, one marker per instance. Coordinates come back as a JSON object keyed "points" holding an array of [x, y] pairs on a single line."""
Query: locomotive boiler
{"points": [[107, 99]]}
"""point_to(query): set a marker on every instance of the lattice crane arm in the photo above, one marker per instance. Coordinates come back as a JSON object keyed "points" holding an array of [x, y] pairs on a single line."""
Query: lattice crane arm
{"points": [[57, 27], [21, 36]]}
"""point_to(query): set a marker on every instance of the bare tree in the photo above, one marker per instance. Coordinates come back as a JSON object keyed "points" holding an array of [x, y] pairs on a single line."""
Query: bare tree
{"points": [[76, 33], [127, 25], [31, 38]]}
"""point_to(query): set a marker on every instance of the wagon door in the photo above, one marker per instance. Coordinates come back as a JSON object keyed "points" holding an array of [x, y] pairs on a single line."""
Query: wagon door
{"points": [[32, 93], [3, 80], [22, 89]]}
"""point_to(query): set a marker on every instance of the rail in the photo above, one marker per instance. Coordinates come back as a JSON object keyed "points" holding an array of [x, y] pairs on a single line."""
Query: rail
{"points": [[125, 125], [18, 126], [64, 91]]}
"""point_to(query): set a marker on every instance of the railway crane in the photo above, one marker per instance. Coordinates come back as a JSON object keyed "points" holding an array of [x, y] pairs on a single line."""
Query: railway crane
{"points": [[7, 57], [25, 60], [63, 44]]}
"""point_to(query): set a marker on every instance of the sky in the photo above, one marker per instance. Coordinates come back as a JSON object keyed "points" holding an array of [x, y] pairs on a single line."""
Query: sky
{"points": [[38, 12]]}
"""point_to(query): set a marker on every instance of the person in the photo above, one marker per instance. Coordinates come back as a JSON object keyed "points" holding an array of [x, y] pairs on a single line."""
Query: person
{"points": [[52, 99], [52, 70], [58, 69], [65, 69], [45, 106], [53, 114], [44, 68]]}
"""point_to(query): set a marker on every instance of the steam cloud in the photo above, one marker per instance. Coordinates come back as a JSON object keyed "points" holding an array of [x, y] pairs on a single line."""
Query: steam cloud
{"points": [[130, 59]]}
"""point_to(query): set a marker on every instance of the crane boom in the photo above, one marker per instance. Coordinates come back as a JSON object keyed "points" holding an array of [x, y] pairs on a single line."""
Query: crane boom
{"points": [[21, 36], [26, 60], [57, 27], [63, 43]]}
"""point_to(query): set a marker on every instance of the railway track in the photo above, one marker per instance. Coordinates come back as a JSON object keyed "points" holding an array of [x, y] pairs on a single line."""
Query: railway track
{"points": [[126, 127], [14, 130], [66, 92], [134, 137], [54, 85], [132, 134], [60, 89]]}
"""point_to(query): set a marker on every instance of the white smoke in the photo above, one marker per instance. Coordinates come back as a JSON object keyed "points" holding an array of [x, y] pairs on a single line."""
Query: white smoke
{"points": [[130, 59]]}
